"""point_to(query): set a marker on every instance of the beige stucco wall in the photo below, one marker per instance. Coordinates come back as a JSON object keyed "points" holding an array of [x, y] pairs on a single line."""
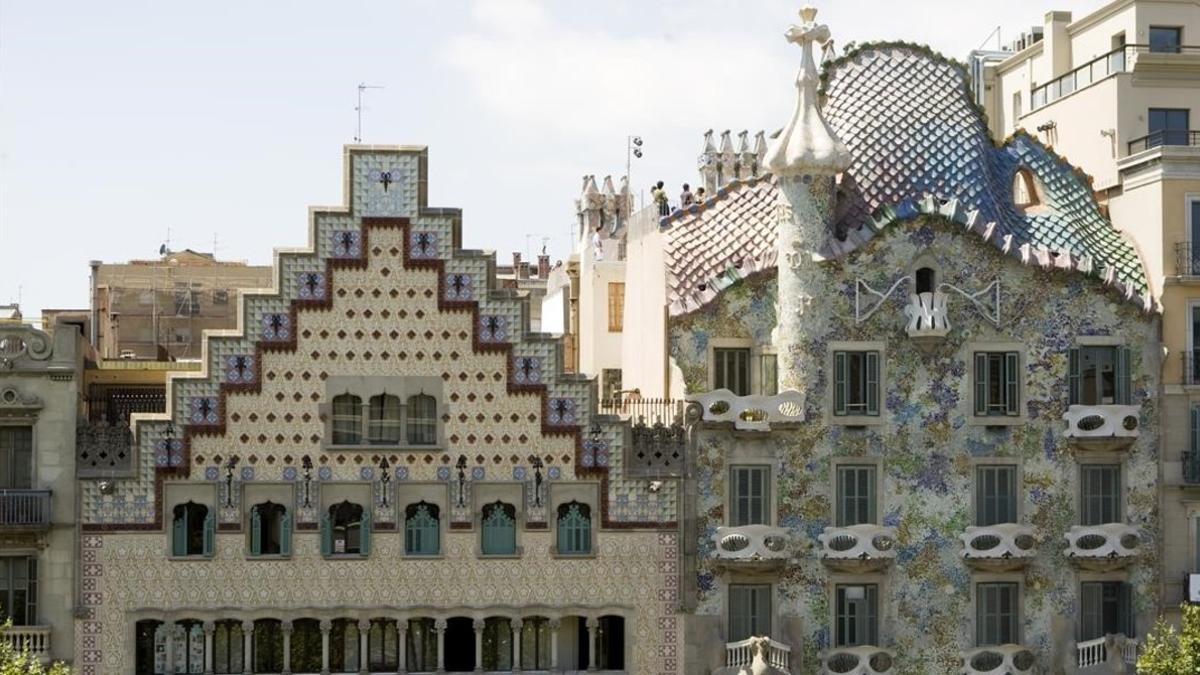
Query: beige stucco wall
{"points": [[599, 348], [642, 354]]}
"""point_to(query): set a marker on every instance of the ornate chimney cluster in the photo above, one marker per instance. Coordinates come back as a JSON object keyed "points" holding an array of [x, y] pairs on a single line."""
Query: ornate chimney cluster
{"points": [[719, 167], [606, 205]]}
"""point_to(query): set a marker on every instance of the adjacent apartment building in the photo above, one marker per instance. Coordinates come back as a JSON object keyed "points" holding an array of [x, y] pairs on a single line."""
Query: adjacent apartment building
{"points": [[1117, 92]]}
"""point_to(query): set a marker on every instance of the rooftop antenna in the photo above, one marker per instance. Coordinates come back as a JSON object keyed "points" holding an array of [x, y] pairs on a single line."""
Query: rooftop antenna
{"points": [[995, 32], [362, 86]]}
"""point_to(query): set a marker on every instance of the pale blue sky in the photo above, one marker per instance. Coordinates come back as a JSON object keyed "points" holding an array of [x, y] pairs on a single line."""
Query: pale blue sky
{"points": [[121, 119]]}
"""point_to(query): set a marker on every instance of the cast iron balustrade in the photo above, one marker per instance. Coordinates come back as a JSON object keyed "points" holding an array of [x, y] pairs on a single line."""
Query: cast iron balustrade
{"points": [[1187, 259], [652, 410], [1103, 547], [858, 548], [861, 660], [1191, 367], [1157, 139], [1095, 652], [999, 548], [999, 660], [1102, 427], [739, 655], [757, 547], [25, 509], [33, 639]]}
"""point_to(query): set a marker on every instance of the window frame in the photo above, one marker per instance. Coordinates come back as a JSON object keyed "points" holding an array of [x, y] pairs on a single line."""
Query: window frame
{"points": [[1015, 620], [732, 508], [874, 476], [489, 513], [257, 534], [720, 371], [1012, 373], [207, 527], [10, 452], [845, 418], [9, 565], [1122, 370], [1178, 30], [616, 308], [410, 512], [767, 592], [977, 496], [329, 526], [1126, 617], [1085, 505], [385, 421], [841, 619], [586, 511]]}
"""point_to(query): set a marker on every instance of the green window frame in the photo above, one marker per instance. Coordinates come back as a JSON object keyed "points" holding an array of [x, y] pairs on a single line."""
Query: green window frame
{"points": [[1100, 494], [499, 529], [270, 530], [995, 494], [731, 369], [856, 503], [193, 530], [857, 615], [349, 524], [1100, 375], [749, 611], [574, 529], [422, 531], [856, 383], [749, 495], [997, 613], [997, 384], [1105, 607]]}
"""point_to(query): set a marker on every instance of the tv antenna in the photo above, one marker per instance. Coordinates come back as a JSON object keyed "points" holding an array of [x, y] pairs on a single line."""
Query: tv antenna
{"points": [[362, 86]]}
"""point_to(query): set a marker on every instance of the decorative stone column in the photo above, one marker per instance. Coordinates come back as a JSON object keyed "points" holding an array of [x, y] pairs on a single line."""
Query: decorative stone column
{"points": [[593, 626], [247, 646], [402, 636], [170, 629], [516, 644], [210, 630], [285, 627], [554, 625], [364, 627], [326, 626], [439, 627], [478, 625], [806, 156]]}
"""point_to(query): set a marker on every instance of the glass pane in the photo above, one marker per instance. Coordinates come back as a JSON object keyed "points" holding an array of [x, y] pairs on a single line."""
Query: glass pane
{"points": [[1164, 39]]}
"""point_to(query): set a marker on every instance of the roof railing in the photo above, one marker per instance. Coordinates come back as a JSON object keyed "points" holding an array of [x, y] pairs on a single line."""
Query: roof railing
{"points": [[1163, 137], [1116, 61]]}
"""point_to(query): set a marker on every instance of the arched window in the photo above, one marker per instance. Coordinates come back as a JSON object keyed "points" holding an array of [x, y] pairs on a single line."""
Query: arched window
{"points": [[306, 646], [422, 420], [227, 647], [189, 647], [346, 530], [926, 280], [343, 646], [497, 644], [499, 529], [421, 645], [270, 529], [1026, 193], [383, 649], [383, 426], [347, 420], [146, 659], [421, 535], [267, 646], [193, 530], [574, 528], [535, 643], [610, 637]]}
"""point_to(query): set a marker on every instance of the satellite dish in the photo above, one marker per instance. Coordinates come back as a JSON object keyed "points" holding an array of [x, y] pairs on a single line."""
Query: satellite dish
{"points": [[162, 249]]}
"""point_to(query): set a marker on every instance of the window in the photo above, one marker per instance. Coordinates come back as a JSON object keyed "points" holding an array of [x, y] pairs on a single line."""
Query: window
{"points": [[749, 495], [1166, 39], [306, 646], [187, 299], [270, 530], [731, 370], [193, 530], [610, 638], [421, 535], [146, 635], [266, 653], [499, 529], [855, 383], [227, 647], [997, 384], [1025, 192], [347, 420], [422, 420], [535, 643], [343, 646], [1105, 607], [497, 644], [612, 384], [616, 307], [383, 647], [768, 376], [1167, 126], [996, 614], [1099, 376], [1100, 494], [220, 296], [16, 458], [574, 529], [421, 646], [856, 495], [346, 530], [995, 495], [1016, 105], [18, 590], [749, 611], [385, 419], [926, 280], [189, 647], [857, 621]]}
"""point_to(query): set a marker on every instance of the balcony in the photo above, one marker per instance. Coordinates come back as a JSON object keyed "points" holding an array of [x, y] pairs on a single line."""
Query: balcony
{"points": [[1103, 548], [858, 548], [645, 410], [927, 318], [742, 656], [999, 660], [862, 660], [33, 639], [1102, 427], [1095, 652], [1165, 137], [751, 547], [751, 413], [998, 548], [24, 510], [1120, 60]]}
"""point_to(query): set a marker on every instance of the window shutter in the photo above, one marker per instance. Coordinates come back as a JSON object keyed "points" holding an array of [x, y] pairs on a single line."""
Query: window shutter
{"points": [[1091, 600], [872, 383], [839, 383], [364, 535], [868, 486], [739, 613], [1124, 378], [255, 532], [285, 534], [1125, 605], [1195, 432], [843, 511], [179, 534], [1012, 387], [870, 620], [981, 388], [1073, 380], [210, 533], [326, 534]]}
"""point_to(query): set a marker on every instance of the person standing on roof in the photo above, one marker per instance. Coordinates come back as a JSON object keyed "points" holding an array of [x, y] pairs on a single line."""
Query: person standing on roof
{"points": [[660, 198], [686, 199]]}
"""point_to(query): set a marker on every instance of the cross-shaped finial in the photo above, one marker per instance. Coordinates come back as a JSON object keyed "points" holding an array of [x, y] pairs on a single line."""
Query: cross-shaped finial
{"points": [[808, 31]]}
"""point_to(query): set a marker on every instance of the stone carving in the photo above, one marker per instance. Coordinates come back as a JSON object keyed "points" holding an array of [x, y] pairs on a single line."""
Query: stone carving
{"points": [[1103, 427], [926, 314], [751, 546], [1002, 547], [999, 660], [1103, 547], [861, 660], [858, 547], [751, 413]]}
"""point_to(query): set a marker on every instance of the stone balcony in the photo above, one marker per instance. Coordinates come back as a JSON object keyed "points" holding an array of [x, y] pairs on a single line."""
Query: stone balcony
{"points": [[751, 413], [33, 639], [1102, 427], [751, 547], [1093, 655], [1101, 548], [861, 660], [927, 318], [998, 548], [858, 548], [999, 660], [770, 655]]}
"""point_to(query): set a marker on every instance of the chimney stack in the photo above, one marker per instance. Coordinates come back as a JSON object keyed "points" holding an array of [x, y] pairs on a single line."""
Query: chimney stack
{"points": [[543, 266], [516, 261]]}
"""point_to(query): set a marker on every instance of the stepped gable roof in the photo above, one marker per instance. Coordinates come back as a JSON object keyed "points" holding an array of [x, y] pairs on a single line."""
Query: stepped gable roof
{"points": [[919, 145]]}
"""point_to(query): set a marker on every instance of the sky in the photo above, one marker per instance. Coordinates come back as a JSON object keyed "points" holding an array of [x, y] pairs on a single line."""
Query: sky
{"points": [[129, 124]]}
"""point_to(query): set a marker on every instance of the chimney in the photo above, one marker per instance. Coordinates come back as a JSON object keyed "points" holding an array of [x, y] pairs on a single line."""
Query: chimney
{"points": [[516, 261], [522, 271], [1057, 48], [543, 266]]}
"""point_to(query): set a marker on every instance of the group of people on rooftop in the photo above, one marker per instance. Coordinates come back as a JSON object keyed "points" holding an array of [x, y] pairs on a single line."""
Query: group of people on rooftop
{"points": [[686, 198]]}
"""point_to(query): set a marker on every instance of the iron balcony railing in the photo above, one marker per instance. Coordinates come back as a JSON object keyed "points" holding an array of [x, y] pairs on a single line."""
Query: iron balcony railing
{"points": [[1119, 60], [649, 410], [1191, 367], [1163, 137], [1191, 467], [24, 509], [1187, 259]]}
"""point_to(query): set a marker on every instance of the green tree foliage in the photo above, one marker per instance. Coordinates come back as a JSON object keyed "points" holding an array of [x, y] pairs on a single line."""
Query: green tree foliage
{"points": [[1173, 652], [22, 662]]}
